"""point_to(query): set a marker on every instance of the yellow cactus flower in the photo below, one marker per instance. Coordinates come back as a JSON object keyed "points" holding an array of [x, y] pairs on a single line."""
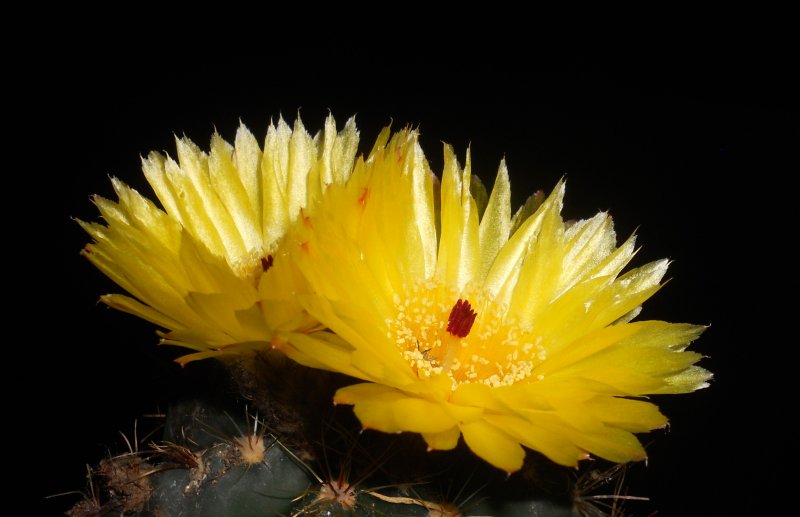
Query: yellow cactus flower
{"points": [[467, 321], [196, 267]]}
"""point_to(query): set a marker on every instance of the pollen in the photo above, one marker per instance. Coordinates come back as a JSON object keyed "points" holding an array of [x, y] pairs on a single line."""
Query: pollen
{"points": [[438, 331]]}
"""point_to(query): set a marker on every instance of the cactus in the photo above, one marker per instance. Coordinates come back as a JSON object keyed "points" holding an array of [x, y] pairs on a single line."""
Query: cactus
{"points": [[224, 457]]}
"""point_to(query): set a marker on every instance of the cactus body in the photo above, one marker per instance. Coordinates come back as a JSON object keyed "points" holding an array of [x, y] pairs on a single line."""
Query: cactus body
{"points": [[198, 470]]}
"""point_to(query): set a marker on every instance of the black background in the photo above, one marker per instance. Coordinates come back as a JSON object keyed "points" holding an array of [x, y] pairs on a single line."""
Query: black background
{"points": [[680, 146]]}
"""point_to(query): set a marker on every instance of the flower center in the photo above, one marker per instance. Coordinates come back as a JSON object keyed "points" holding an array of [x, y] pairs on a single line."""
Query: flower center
{"points": [[465, 336]]}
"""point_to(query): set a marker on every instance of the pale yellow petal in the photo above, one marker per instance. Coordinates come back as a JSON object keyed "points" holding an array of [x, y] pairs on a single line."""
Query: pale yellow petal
{"points": [[691, 379], [193, 215], [495, 224], [301, 155], [502, 277], [154, 168], [274, 177], [539, 278], [459, 258], [194, 165], [226, 182], [246, 161]]}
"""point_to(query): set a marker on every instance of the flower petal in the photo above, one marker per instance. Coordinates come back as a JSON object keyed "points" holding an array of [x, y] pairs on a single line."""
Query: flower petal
{"points": [[444, 441], [197, 267], [495, 224], [554, 445], [636, 416], [394, 411], [493, 445], [459, 257]]}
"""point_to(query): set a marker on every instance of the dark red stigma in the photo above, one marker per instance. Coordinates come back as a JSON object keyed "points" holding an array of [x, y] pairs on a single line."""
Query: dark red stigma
{"points": [[461, 319], [266, 262]]}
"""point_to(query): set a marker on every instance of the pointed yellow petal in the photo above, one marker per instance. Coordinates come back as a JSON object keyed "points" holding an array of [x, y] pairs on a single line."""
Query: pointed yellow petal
{"points": [[459, 258], [131, 306], [636, 416], [588, 242], [218, 222], [246, 161], [539, 279], [154, 168], [300, 157], [502, 277], [226, 182], [690, 379], [613, 444], [495, 224]]}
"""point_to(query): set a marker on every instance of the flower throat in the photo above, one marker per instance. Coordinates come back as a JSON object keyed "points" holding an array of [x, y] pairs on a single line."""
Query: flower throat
{"points": [[464, 336]]}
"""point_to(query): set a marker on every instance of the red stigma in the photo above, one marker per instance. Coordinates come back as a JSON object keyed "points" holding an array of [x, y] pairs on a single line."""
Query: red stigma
{"points": [[266, 262], [461, 319]]}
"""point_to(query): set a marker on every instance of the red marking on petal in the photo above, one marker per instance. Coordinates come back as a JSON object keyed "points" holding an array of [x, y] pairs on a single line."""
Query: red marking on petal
{"points": [[461, 319], [362, 199], [266, 262], [306, 218]]}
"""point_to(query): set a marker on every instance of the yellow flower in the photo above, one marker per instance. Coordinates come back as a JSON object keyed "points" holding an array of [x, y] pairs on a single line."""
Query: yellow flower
{"points": [[197, 267], [466, 321]]}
